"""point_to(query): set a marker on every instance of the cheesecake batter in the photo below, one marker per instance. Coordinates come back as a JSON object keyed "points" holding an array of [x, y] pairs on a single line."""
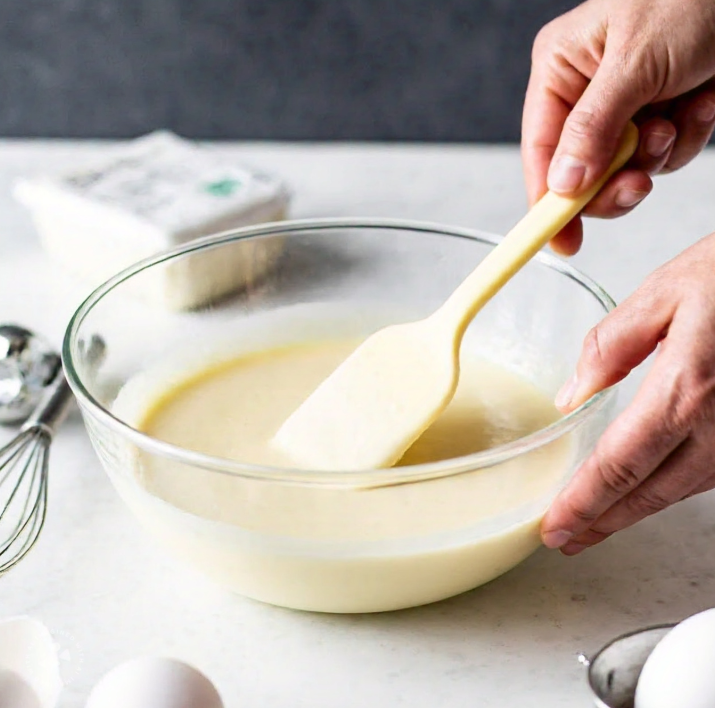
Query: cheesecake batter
{"points": [[327, 547], [233, 410]]}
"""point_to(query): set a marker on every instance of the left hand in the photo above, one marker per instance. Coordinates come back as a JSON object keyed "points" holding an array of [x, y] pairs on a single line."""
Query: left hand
{"points": [[661, 449]]}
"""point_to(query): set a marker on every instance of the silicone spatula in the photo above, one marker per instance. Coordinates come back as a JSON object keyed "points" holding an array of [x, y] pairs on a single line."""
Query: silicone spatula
{"points": [[371, 409]]}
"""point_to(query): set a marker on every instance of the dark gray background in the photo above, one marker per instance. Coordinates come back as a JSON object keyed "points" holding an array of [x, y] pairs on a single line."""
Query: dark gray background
{"points": [[288, 69]]}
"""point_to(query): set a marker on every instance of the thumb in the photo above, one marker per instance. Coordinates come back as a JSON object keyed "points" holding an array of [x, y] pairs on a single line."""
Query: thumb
{"points": [[590, 135], [616, 345]]}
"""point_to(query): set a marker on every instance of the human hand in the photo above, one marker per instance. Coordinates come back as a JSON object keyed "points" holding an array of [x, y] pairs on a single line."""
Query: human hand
{"points": [[661, 449], [598, 66]]}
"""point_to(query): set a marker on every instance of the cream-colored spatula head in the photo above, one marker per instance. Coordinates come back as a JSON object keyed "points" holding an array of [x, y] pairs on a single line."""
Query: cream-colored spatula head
{"points": [[369, 411]]}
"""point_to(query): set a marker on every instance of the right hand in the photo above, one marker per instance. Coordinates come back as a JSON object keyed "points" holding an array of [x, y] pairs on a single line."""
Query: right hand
{"points": [[661, 448], [598, 66]]}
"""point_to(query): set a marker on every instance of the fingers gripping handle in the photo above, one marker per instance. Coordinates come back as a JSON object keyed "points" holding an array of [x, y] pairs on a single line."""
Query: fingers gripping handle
{"points": [[543, 221]]}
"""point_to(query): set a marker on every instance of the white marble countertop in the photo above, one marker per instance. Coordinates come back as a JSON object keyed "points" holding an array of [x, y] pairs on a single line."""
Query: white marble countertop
{"points": [[107, 594]]}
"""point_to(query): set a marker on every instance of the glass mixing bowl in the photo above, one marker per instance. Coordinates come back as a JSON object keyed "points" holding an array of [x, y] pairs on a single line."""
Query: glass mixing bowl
{"points": [[336, 542]]}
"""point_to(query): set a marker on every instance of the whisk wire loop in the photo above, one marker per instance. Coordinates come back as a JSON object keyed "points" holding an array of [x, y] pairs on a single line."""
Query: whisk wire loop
{"points": [[23, 493]]}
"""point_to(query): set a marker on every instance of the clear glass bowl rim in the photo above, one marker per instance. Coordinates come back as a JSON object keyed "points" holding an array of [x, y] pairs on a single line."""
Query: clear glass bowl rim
{"points": [[362, 479]]}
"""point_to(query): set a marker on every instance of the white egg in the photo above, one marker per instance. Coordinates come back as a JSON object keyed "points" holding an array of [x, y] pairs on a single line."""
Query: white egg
{"points": [[154, 683], [29, 665], [680, 672]]}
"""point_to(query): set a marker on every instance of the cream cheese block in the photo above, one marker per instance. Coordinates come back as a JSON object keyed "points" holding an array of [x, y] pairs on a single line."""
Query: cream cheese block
{"points": [[147, 196]]}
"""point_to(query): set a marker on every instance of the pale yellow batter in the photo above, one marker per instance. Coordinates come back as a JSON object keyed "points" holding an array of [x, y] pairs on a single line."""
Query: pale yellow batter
{"points": [[328, 548], [234, 409]]}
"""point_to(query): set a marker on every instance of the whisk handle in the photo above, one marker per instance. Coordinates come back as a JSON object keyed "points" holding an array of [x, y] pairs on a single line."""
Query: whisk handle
{"points": [[53, 407]]}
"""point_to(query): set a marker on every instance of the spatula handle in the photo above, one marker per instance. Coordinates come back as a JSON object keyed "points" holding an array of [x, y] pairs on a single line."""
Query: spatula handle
{"points": [[543, 221]]}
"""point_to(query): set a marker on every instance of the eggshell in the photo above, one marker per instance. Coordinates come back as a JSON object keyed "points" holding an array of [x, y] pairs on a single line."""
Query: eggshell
{"points": [[680, 672], [15, 692], [154, 683], [29, 665]]}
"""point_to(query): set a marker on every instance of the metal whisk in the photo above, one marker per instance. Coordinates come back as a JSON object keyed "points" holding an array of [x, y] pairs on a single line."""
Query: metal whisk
{"points": [[23, 482], [24, 462]]}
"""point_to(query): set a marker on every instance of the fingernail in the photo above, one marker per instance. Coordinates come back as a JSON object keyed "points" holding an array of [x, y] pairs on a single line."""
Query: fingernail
{"points": [[566, 174], [705, 112], [627, 198], [658, 144], [566, 394], [573, 549], [556, 539]]}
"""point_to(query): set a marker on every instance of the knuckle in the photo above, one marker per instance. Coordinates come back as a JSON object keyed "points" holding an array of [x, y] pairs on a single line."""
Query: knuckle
{"points": [[634, 59], [619, 477], [684, 410], [594, 353], [692, 399], [544, 40], [583, 515], [585, 127], [592, 345], [693, 407], [601, 355], [648, 502]]}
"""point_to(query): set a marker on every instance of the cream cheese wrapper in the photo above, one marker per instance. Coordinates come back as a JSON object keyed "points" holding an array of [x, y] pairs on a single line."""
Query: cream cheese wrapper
{"points": [[149, 195]]}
